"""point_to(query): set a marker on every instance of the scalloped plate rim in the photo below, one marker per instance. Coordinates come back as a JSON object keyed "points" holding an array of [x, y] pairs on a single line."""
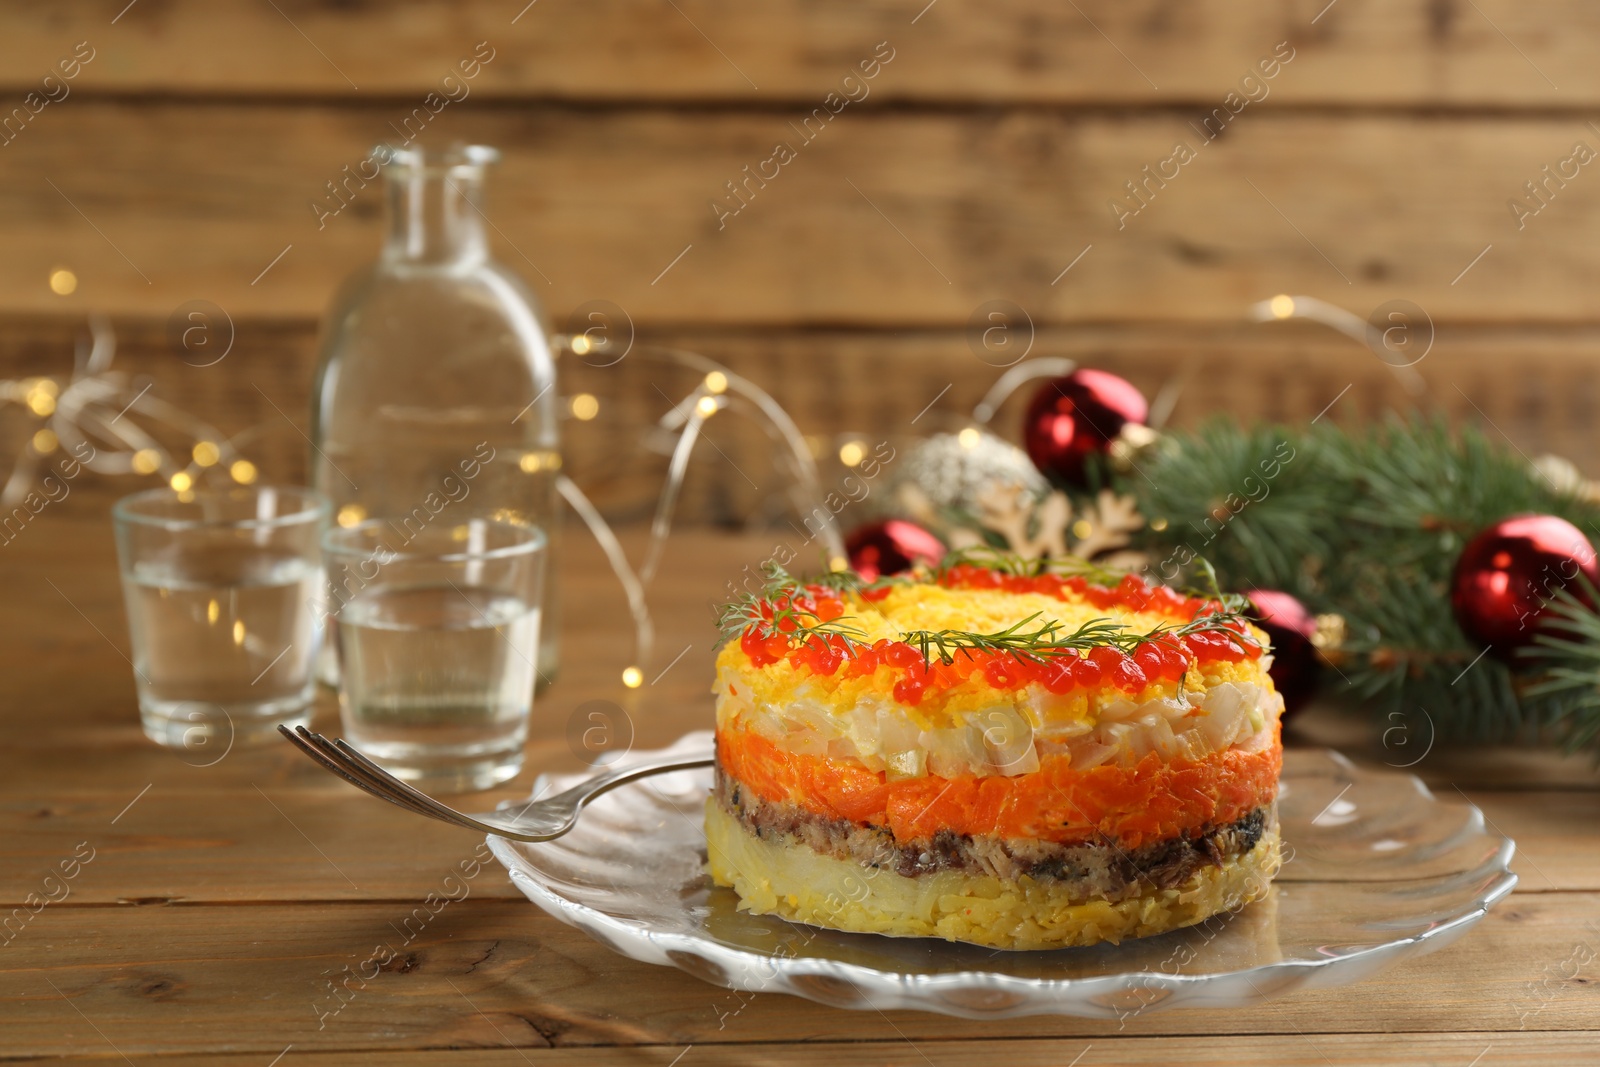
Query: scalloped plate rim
{"points": [[1046, 993]]}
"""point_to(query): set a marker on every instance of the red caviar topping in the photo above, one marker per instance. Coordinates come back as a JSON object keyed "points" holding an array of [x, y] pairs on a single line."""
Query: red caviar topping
{"points": [[1055, 674], [1101, 597], [900, 654], [1127, 676], [1087, 673], [909, 691], [1105, 657], [1162, 658], [1002, 673], [755, 646], [1132, 592]]}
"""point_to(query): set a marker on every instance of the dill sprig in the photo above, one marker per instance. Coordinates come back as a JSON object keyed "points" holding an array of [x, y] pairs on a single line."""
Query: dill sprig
{"points": [[1044, 642], [1232, 603], [1048, 641], [778, 609]]}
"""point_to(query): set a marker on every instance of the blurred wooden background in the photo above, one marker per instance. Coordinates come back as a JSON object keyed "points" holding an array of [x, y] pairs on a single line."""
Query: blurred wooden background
{"points": [[183, 162]]}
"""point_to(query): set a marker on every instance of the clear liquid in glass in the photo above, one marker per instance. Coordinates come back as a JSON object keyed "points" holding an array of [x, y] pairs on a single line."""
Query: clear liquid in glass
{"points": [[223, 641], [438, 681]]}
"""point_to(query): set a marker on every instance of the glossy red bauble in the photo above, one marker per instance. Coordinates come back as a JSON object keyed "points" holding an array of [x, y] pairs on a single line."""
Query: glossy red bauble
{"points": [[1507, 575], [1295, 666], [891, 546], [1072, 418]]}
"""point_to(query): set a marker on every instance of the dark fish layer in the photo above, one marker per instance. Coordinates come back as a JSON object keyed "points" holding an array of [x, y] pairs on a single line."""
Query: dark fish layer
{"points": [[1092, 871]]}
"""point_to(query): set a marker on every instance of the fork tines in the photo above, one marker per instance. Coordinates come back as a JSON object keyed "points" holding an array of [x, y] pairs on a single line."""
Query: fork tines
{"points": [[353, 767]]}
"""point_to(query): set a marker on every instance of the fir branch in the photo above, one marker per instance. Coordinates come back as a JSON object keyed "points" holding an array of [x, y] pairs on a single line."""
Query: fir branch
{"points": [[1369, 524], [1566, 695]]}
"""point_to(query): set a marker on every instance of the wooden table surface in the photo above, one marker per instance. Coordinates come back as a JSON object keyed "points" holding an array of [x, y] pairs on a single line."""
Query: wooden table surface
{"points": [[221, 900]]}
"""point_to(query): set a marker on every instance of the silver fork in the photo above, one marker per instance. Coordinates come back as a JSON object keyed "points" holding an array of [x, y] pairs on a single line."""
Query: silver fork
{"points": [[537, 820]]}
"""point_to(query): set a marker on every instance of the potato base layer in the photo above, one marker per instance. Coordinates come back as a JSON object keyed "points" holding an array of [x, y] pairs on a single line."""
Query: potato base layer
{"points": [[806, 887]]}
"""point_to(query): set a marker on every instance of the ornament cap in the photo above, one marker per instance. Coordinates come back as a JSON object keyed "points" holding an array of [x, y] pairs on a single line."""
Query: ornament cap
{"points": [[1329, 636], [1135, 438]]}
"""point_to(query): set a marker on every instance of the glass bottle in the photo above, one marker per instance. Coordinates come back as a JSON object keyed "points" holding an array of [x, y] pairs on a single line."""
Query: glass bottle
{"points": [[434, 398]]}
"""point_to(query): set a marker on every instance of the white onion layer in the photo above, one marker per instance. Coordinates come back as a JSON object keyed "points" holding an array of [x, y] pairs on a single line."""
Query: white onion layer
{"points": [[1008, 736]]}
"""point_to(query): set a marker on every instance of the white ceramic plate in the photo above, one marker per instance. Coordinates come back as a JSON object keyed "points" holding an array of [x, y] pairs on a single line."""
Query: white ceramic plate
{"points": [[1377, 868]]}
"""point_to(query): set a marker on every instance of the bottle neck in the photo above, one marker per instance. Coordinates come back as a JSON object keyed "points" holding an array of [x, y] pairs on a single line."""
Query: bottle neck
{"points": [[434, 218]]}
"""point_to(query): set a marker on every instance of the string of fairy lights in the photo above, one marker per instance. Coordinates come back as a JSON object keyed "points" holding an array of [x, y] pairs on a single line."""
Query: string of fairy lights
{"points": [[103, 419], [111, 424]]}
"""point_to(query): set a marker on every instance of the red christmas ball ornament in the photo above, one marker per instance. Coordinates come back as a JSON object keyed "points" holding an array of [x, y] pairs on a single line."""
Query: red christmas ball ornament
{"points": [[1508, 574], [889, 547], [1072, 418], [1295, 666]]}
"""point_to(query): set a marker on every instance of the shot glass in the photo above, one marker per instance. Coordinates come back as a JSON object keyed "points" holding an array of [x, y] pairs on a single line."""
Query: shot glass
{"points": [[224, 593], [438, 636]]}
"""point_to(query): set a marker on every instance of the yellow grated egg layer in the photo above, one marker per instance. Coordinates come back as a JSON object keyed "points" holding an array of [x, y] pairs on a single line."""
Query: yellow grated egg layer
{"points": [[930, 607]]}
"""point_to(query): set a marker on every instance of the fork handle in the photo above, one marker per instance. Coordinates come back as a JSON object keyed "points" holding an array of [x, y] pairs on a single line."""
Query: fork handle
{"points": [[585, 791]]}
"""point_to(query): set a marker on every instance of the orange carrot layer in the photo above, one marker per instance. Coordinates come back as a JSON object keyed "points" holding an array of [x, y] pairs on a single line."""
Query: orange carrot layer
{"points": [[1152, 801]]}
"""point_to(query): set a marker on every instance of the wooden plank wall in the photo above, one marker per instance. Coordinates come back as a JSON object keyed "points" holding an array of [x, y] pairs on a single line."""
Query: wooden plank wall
{"points": [[1378, 162]]}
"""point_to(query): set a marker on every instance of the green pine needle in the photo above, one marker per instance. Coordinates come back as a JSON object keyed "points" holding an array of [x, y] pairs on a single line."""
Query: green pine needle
{"points": [[1369, 525]]}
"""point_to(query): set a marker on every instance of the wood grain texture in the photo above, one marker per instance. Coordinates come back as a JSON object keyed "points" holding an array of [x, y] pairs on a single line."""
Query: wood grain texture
{"points": [[1512, 1048], [885, 219], [1530, 389], [490, 973], [1447, 52]]}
